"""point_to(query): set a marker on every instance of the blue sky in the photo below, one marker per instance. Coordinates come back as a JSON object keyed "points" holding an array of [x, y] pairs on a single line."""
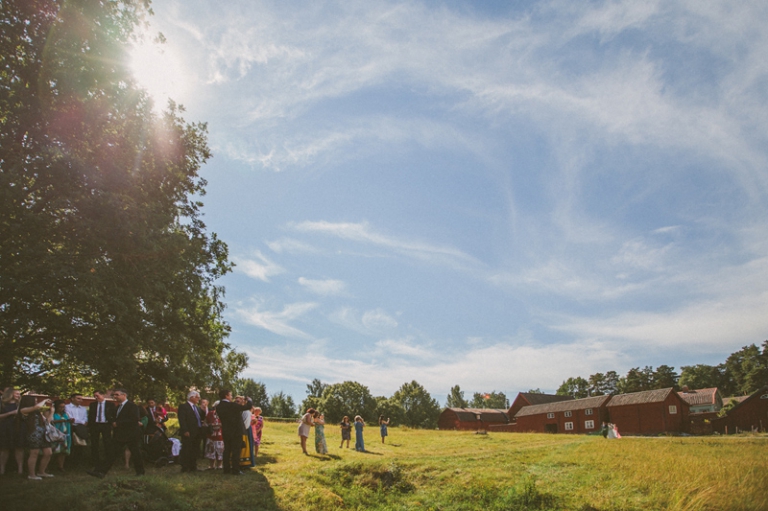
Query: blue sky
{"points": [[498, 195]]}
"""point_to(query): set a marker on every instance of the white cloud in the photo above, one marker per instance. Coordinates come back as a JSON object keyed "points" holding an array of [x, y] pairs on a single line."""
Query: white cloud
{"points": [[260, 268], [372, 322], [501, 366], [327, 287], [291, 246], [277, 322], [363, 233]]}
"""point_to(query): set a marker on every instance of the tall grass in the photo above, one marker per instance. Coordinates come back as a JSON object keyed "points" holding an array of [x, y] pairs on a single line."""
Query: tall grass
{"points": [[440, 470]]}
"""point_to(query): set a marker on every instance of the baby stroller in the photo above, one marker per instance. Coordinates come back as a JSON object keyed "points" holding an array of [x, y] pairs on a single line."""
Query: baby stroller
{"points": [[158, 449]]}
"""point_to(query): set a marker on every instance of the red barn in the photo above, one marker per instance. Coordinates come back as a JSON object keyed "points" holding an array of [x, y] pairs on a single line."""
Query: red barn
{"points": [[472, 419], [649, 412], [531, 398], [572, 416], [751, 414]]}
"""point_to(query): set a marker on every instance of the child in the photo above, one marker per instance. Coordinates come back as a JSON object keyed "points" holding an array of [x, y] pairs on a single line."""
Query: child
{"points": [[214, 443], [383, 425], [346, 431], [359, 425]]}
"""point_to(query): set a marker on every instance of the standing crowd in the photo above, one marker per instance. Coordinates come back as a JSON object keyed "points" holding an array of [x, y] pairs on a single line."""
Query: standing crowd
{"points": [[313, 418], [228, 433]]}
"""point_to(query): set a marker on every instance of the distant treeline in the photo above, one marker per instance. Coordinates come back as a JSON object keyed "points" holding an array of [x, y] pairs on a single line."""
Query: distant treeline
{"points": [[742, 373]]}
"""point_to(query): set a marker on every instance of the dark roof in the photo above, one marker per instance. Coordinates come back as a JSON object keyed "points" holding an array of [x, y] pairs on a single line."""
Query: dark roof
{"points": [[641, 398], [700, 396], [486, 414], [738, 399], [563, 406], [539, 399]]}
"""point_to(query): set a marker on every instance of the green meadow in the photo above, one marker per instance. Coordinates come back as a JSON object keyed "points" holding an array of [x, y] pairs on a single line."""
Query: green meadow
{"points": [[437, 470]]}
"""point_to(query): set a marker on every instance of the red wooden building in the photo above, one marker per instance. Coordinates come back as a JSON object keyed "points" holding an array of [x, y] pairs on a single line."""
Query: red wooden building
{"points": [[751, 414], [572, 416], [530, 398], [649, 412], [471, 419]]}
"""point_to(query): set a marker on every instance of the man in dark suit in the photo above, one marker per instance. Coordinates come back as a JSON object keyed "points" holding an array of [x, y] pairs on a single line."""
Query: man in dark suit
{"points": [[101, 415], [191, 419], [126, 434], [232, 429]]}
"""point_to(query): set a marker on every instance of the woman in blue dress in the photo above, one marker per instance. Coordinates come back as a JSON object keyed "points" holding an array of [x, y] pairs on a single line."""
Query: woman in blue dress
{"points": [[383, 426], [359, 425]]}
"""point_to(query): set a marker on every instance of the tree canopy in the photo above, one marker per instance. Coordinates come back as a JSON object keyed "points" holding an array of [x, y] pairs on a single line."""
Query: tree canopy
{"points": [[107, 272]]}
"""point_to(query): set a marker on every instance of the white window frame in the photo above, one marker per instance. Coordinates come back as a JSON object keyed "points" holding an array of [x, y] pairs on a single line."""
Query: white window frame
{"points": [[589, 424], [568, 413], [673, 409], [588, 411], [569, 426], [551, 415]]}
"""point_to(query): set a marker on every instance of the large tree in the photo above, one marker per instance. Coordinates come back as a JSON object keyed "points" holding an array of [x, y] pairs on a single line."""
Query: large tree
{"points": [[456, 398], [107, 273], [701, 376], [348, 398], [419, 409]]}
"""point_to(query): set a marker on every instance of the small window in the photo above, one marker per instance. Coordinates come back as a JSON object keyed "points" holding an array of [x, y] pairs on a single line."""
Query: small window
{"points": [[588, 411], [589, 424], [568, 414], [672, 409], [569, 426], [550, 415]]}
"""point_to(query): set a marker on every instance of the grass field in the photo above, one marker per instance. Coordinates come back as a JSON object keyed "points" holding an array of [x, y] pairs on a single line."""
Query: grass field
{"points": [[437, 470]]}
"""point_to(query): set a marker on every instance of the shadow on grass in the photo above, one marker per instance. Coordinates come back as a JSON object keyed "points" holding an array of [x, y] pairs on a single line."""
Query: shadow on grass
{"points": [[372, 453], [158, 490]]}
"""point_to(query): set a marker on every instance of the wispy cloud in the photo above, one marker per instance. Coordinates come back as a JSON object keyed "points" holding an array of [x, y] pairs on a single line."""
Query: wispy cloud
{"points": [[327, 287], [371, 322], [291, 246], [259, 267], [363, 233], [278, 322]]}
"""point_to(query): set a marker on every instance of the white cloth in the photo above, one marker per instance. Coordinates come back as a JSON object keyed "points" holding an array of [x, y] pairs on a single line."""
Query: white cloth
{"points": [[79, 413], [247, 419], [176, 447]]}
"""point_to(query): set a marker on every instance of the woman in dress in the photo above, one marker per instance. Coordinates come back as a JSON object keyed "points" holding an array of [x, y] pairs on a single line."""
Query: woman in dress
{"points": [[10, 439], [320, 446], [257, 425], [304, 424], [346, 431], [383, 426], [359, 425], [247, 456], [63, 423], [32, 418], [214, 443]]}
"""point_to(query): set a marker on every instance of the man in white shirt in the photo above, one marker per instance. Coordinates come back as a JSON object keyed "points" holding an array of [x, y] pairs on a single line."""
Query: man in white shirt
{"points": [[78, 414]]}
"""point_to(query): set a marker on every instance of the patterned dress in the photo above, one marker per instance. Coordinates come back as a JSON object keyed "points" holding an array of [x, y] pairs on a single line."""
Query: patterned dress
{"points": [[320, 446], [66, 428], [257, 424]]}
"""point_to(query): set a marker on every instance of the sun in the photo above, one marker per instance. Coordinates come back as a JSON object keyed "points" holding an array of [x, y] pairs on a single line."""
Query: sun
{"points": [[158, 68]]}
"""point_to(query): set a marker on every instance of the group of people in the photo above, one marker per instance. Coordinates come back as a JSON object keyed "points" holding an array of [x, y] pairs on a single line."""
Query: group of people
{"points": [[313, 418], [115, 429]]}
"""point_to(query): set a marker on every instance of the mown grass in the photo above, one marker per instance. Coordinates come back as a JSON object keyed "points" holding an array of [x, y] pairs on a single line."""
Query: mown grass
{"points": [[439, 470]]}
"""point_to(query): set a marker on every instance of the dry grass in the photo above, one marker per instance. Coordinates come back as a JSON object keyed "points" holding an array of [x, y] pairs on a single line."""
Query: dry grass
{"points": [[443, 470]]}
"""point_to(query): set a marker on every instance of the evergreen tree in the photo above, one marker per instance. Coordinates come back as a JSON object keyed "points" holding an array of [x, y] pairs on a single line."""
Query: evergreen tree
{"points": [[456, 398]]}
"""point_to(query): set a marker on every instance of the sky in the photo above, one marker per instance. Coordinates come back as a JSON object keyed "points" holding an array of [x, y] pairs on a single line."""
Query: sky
{"points": [[498, 195]]}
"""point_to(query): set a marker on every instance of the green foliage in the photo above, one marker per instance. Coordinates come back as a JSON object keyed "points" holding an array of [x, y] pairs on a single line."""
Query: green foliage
{"points": [[348, 398], [577, 387], [701, 376], [106, 269], [419, 409], [389, 409], [314, 395], [281, 405], [489, 400], [257, 391], [456, 398], [746, 370]]}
